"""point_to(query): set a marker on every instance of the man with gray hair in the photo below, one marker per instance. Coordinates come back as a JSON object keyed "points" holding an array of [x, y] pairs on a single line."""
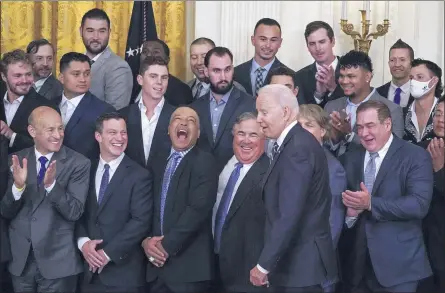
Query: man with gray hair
{"points": [[239, 214], [298, 252]]}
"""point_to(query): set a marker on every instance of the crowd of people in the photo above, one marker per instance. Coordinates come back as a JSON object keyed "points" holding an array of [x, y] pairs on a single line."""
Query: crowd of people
{"points": [[248, 178]]}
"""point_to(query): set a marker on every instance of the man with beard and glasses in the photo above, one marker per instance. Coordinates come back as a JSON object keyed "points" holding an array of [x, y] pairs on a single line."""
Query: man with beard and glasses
{"points": [[200, 84], [19, 100], [42, 56], [219, 108], [112, 79]]}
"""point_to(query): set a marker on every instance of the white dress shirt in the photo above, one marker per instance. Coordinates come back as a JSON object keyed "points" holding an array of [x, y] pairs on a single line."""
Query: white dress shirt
{"points": [[415, 122], [10, 111], [350, 221], [224, 179], [68, 106], [39, 83], [318, 66], [114, 164], [18, 193], [404, 94], [149, 125]]}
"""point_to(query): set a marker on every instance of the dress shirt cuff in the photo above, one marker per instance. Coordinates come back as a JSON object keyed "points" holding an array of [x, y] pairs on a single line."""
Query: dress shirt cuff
{"points": [[318, 100], [109, 259], [81, 241], [262, 270], [17, 193], [350, 221], [330, 94], [48, 190], [351, 137], [11, 141], [370, 202]]}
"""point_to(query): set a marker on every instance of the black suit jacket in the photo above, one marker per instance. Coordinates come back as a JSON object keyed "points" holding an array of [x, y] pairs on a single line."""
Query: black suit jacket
{"points": [[122, 220], [79, 132], [384, 89], [298, 249], [306, 82], [242, 73], [51, 89], [161, 143], [238, 103], [187, 221], [243, 232], [5, 250], [19, 123]]}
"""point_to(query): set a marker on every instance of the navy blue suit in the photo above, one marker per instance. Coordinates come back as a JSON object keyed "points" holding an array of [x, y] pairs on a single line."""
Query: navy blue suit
{"points": [[79, 132]]}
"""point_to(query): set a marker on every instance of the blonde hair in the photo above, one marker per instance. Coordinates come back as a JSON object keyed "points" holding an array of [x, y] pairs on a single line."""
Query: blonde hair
{"points": [[320, 116]]}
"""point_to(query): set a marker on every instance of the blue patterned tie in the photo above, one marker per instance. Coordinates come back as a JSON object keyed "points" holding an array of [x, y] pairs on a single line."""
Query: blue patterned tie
{"points": [[259, 79], [43, 160], [104, 183], [168, 174], [370, 171], [224, 204], [275, 150], [397, 96]]}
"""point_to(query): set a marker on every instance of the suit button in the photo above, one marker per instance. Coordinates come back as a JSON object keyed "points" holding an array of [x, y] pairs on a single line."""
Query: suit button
{"points": [[34, 219]]}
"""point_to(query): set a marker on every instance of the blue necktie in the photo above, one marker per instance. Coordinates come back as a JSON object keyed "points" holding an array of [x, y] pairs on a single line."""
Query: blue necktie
{"points": [[43, 160], [224, 204], [397, 96], [104, 183], [259, 79], [275, 150], [168, 174]]}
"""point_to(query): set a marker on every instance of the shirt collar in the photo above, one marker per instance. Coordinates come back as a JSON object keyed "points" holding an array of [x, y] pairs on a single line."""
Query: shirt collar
{"points": [[40, 82], [204, 84], [255, 65], [98, 55], [235, 160], [75, 101], [38, 155], [382, 152], [182, 153], [413, 106], [365, 100], [158, 107], [113, 163], [283, 134], [405, 87], [224, 98], [333, 64], [6, 101]]}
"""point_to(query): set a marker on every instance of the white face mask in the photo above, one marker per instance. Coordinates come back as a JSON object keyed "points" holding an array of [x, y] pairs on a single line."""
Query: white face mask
{"points": [[419, 88]]}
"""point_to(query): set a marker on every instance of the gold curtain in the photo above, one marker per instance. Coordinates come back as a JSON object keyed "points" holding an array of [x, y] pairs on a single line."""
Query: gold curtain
{"points": [[59, 22]]}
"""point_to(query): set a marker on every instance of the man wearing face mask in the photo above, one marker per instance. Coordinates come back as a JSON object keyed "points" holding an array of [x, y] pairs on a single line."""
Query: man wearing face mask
{"points": [[426, 88]]}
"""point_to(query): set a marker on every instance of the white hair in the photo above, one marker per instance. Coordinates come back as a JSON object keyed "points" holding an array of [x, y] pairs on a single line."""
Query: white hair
{"points": [[282, 94]]}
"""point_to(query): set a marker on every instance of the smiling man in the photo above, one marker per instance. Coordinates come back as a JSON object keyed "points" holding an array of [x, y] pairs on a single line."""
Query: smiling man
{"points": [[179, 248]]}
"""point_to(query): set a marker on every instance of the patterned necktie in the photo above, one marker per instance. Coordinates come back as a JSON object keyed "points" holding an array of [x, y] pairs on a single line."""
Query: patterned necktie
{"points": [[275, 150], [168, 174], [397, 96], [370, 171], [104, 183], [43, 160], [198, 91], [259, 79], [224, 204]]}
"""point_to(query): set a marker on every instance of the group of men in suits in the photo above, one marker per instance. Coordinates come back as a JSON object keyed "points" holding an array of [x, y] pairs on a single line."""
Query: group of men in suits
{"points": [[148, 183]]}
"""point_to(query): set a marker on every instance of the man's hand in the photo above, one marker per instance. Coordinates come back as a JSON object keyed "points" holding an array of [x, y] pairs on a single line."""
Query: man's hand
{"points": [[326, 75], [94, 258], [353, 213], [50, 174], [341, 124], [104, 257], [154, 251], [5, 130], [358, 200], [19, 173], [436, 148], [257, 278]]}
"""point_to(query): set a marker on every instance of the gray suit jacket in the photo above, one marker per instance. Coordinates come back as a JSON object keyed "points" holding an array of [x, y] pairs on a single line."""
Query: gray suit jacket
{"points": [[44, 221], [112, 79], [51, 89], [398, 126], [191, 84]]}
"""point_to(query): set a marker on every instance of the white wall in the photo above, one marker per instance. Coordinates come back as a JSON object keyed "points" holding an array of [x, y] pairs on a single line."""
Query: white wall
{"points": [[231, 23]]}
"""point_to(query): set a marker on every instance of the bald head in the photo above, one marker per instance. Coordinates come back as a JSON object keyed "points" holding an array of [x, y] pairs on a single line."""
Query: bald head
{"points": [[40, 113], [46, 128]]}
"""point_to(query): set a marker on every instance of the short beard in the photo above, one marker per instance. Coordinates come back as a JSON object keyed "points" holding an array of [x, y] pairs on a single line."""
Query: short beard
{"points": [[219, 91]]}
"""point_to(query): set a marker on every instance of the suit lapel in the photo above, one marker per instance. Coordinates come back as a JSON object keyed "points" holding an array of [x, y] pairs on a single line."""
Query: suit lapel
{"points": [[311, 80], [134, 122], [47, 85], [229, 110], [92, 195], [78, 113], [161, 130], [246, 75], [386, 164], [204, 107], [20, 115]]}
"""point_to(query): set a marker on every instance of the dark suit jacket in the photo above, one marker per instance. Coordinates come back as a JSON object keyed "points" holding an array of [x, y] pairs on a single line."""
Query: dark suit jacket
{"points": [[392, 230], [5, 251], [238, 103], [122, 220], [51, 89], [243, 232], [298, 249], [19, 123], [187, 221], [306, 82], [161, 144], [410, 132], [242, 73], [79, 132], [384, 89]]}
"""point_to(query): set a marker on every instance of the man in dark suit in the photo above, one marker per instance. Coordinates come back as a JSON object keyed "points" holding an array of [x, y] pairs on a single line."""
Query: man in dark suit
{"points": [[118, 214], [390, 185], [298, 253], [180, 247], [219, 108], [43, 208], [318, 81], [178, 93], [267, 40], [19, 100], [148, 119], [398, 89], [42, 56], [78, 106], [239, 214]]}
